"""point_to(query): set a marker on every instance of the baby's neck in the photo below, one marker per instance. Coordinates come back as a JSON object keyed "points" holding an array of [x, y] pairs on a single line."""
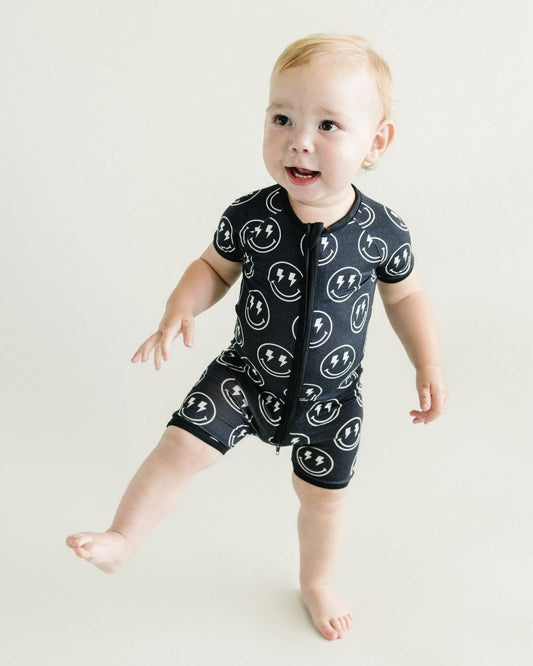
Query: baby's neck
{"points": [[327, 214]]}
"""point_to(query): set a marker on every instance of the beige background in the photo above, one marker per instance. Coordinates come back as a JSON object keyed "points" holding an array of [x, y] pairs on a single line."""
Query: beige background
{"points": [[126, 128]]}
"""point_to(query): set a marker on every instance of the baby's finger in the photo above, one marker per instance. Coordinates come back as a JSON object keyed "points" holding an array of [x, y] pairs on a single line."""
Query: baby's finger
{"points": [[187, 331], [424, 397], [157, 357]]}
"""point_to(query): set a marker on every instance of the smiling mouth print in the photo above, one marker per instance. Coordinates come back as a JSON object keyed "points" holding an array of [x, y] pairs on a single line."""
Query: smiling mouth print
{"points": [[300, 176]]}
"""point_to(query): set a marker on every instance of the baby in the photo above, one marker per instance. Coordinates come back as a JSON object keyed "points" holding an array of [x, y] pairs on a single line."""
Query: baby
{"points": [[310, 251]]}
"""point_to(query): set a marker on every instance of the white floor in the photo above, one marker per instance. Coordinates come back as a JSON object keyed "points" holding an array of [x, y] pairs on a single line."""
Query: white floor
{"points": [[436, 564]]}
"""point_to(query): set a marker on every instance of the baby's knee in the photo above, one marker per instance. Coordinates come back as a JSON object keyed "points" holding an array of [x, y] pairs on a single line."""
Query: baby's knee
{"points": [[184, 447], [311, 495]]}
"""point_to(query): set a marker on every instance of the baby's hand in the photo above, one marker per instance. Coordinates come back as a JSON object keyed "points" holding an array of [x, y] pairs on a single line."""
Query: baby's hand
{"points": [[432, 393], [159, 342]]}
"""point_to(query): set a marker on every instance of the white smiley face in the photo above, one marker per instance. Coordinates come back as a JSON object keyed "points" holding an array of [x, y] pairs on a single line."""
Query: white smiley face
{"points": [[324, 412], [234, 395], [276, 360], [285, 281], [246, 198], [343, 283], [299, 439], [238, 334], [400, 262], [314, 461], [360, 311], [310, 393], [198, 408], [321, 329], [256, 311], [328, 247], [395, 218], [365, 216], [271, 202], [347, 437], [261, 235], [224, 236], [252, 372], [237, 434], [349, 379], [248, 268], [372, 248], [338, 362], [232, 360], [271, 407]]}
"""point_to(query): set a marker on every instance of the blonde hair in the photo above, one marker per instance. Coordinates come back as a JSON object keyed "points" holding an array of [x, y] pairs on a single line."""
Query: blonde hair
{"points": [[304, 51]]}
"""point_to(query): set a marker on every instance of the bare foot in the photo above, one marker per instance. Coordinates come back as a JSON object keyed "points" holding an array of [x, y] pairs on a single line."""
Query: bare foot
{"points": [[105, 550], [327, 611]]}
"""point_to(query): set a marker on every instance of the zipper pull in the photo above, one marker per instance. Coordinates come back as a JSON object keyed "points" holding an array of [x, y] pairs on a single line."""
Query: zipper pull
{"points": [[277, 449]]}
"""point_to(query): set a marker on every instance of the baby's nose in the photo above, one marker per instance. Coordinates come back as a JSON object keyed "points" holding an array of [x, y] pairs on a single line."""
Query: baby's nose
{"points": [[301, 141]]}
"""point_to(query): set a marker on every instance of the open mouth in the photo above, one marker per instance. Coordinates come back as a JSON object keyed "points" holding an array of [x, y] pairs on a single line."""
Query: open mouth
{"points": [[300, 176]]}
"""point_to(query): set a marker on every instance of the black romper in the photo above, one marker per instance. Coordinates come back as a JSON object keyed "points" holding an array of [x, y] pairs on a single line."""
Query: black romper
{"points": [[291, 374]]}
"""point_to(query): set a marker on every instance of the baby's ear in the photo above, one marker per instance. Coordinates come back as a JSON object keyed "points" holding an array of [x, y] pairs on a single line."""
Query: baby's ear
{"points": [[381, 142]]}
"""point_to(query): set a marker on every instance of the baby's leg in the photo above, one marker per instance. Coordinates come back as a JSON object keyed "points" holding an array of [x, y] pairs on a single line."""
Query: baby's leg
{"points": [[320, 530], [156, 487]]}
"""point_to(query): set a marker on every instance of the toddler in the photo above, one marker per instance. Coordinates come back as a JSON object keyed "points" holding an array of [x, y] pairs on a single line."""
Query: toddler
{"points": [[309, 250]]}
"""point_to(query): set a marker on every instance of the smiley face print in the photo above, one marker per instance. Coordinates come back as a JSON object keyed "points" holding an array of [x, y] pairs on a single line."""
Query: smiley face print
{"points": [[286, 281], [321, 328], [231, 359], [338, 362], [395, 218], [224, 236], [276, 360], [261, 235], [372, 248], [347, 437], [360, 311], [343, 283], [198, 408], [256, 310], [314, 461], [323, 412], [234, 396], [271, 407], [400, 262], [365, 216]]}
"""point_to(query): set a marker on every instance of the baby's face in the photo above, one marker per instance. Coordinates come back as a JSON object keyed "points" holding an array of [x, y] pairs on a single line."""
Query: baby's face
{"points": [[320, 126]]}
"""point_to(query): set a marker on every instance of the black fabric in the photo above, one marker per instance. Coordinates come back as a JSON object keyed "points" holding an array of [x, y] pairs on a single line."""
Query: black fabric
{"points": [[291, 374]]}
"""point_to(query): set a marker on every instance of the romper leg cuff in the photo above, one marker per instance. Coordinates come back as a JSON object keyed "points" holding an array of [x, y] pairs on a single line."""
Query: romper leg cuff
{"points": [[198, 432], [320, 482]]}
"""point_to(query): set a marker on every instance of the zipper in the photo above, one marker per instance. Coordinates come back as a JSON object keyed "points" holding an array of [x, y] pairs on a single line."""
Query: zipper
{"points": [[303, 334]]}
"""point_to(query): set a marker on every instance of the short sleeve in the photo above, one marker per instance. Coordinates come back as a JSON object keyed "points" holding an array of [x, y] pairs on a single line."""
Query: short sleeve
{"points": [[227, 240], [397, 260]]}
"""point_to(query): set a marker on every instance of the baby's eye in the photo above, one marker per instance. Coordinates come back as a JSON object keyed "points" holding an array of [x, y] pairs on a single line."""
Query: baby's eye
{"points": [[328, 126], [281, 120]]}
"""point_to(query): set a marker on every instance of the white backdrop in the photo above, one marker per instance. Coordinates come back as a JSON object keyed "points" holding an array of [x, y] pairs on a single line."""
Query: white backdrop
{"points": [[126, 128]]}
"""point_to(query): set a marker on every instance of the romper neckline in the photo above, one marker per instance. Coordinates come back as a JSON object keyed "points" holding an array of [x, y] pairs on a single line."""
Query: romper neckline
{"points": [[339, 224]]}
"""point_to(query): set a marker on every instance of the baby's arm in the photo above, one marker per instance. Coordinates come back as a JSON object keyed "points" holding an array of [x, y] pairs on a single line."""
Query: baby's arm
{"points": [[204, 282], [409, 312]]}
